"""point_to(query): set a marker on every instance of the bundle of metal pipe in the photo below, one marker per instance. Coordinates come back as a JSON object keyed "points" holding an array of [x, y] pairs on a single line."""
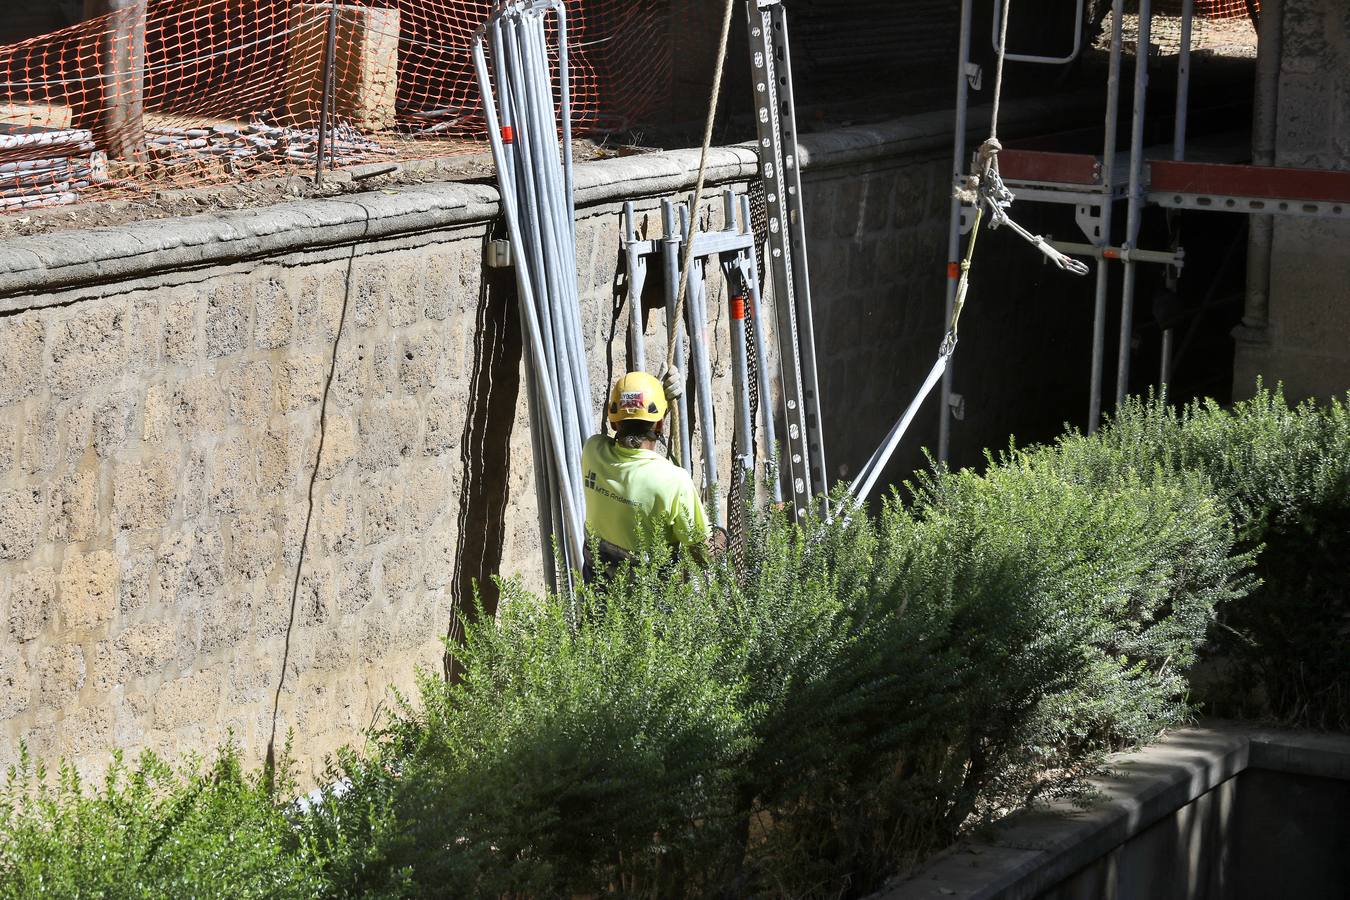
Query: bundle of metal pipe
{"points": [[47, 167], [260, 141], [535, 181]]}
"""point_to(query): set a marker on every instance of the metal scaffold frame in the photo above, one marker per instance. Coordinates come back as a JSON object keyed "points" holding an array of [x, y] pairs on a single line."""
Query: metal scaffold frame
{"points": [[803, 449], [1090, 184]]}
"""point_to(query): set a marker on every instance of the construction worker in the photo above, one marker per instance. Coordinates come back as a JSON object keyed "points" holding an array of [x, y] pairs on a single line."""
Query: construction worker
{"points": [[630, 487]]}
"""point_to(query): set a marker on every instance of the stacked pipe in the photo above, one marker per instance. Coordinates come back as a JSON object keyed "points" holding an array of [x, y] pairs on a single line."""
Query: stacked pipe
{"points": [[48, 167], [535, 181], [260, 141]]}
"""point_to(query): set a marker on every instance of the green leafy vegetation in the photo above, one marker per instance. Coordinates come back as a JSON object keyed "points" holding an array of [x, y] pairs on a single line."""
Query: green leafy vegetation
{"points": [[853, 696]]}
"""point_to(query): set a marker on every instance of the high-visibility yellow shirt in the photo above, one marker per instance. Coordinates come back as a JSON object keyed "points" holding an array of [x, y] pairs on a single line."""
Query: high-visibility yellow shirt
{"points": [[623, 486]]}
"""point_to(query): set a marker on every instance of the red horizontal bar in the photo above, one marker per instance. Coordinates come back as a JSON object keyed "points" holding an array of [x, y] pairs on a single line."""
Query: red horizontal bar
{"points": [[1248, 181], [1042, 165]]}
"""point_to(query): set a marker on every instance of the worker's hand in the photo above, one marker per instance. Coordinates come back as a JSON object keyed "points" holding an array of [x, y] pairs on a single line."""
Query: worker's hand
{"points": [[672, 381]]}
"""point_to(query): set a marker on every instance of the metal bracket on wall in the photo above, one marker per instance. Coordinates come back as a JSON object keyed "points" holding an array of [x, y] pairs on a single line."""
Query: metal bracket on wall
{"points": [[771, 71]]}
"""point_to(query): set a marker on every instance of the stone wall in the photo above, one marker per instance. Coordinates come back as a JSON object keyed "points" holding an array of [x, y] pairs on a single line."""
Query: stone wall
{"points": [[162, 389], [1304, 342], [159, 430]]}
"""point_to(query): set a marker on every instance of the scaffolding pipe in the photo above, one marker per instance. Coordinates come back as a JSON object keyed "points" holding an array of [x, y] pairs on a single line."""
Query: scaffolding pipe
{"points": [[743, 454], [572, 535], [695, 309], [959, 165], [671, 244], [637, 278], [1136, 198], [1178, 154], [762, 362], [1265, 118]]}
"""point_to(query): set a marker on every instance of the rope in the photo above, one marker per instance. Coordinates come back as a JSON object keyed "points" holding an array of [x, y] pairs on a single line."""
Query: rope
{"points": [[998, 71], [722, 46]]}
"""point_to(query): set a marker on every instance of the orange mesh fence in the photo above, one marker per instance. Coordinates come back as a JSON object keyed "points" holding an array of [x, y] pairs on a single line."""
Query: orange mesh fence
{"points": [[1214, 9], [189, 92]]}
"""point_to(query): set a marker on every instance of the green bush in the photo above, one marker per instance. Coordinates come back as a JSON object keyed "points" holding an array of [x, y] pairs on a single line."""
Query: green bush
{"points": [[855, 696], [1284, 473], [150, 831]]}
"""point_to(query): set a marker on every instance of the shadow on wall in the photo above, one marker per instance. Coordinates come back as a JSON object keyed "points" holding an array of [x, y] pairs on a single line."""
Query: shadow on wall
{"points": [[485, 453]]}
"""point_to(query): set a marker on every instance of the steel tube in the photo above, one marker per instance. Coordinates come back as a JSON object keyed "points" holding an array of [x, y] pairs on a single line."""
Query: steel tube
{"points": [[743, 462], [695, 310], [766, 406], [1135, 199], [567, 301], [1107, 217], [330, 51], [866, 479], [1183, 81], [1265, 121], [637, 278], [573, 535], [671, 244], [1165, 368], [959, 165]]}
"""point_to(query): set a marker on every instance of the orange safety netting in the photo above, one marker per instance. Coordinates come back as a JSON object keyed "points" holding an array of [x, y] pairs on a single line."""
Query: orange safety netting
{"points": [[187, 92], [1214, 9]]}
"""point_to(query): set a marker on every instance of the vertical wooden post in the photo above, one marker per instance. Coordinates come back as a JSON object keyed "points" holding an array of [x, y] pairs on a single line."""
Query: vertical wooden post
{"points": [[115, 109]]}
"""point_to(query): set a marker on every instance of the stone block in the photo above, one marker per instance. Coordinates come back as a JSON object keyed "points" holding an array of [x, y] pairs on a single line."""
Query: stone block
{"points": [[382, 511], [144, 492], [40, 445], [383, 378], [317, 598], [74, 508], [319, 305], [183, 333], [339, 446], [299, 381], [86, 732], [21, 513], [9, 443], [111, 423], [405, 295], [157, 416], [250, 391], [371, 285], [21, 348], [144, 339], [272, 609], [444, 423], [205, 569], [387, 433], [233, 475], [420, 361], [137, 579], [88, 590], [225, 621], [400, 569], [284, 456], [193, 490], [432, 490], [454, 279], [351, 375], [191, 700], [199, 405], [108, 667], [60, 675], [254, 544], [32, 598], [336, 523], [15, 683], [87, 347], [354, 584], [273, 315], [227, 319]]}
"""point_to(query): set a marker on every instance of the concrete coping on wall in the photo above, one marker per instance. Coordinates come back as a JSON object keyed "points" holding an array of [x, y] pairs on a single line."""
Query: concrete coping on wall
{"points": [[31, 267], [1035, 849]]}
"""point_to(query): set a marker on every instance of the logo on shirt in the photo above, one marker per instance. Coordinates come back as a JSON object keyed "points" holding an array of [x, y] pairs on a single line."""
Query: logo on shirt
{"points": [[590, 480]]}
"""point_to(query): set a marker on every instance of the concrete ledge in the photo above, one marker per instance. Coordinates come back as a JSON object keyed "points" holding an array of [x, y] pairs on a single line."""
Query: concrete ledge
{"points": [[1034, 850]]}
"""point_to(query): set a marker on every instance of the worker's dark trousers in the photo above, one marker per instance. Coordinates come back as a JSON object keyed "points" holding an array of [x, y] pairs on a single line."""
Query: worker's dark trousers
{"points": [[604, 562]]}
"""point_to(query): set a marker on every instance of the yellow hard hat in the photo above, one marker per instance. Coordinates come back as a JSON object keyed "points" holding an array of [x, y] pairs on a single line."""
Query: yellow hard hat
{"points": [[637, 395]]}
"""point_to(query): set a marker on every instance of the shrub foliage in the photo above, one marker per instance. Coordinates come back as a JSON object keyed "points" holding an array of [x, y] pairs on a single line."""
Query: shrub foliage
{"points": [[855, 694]]}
